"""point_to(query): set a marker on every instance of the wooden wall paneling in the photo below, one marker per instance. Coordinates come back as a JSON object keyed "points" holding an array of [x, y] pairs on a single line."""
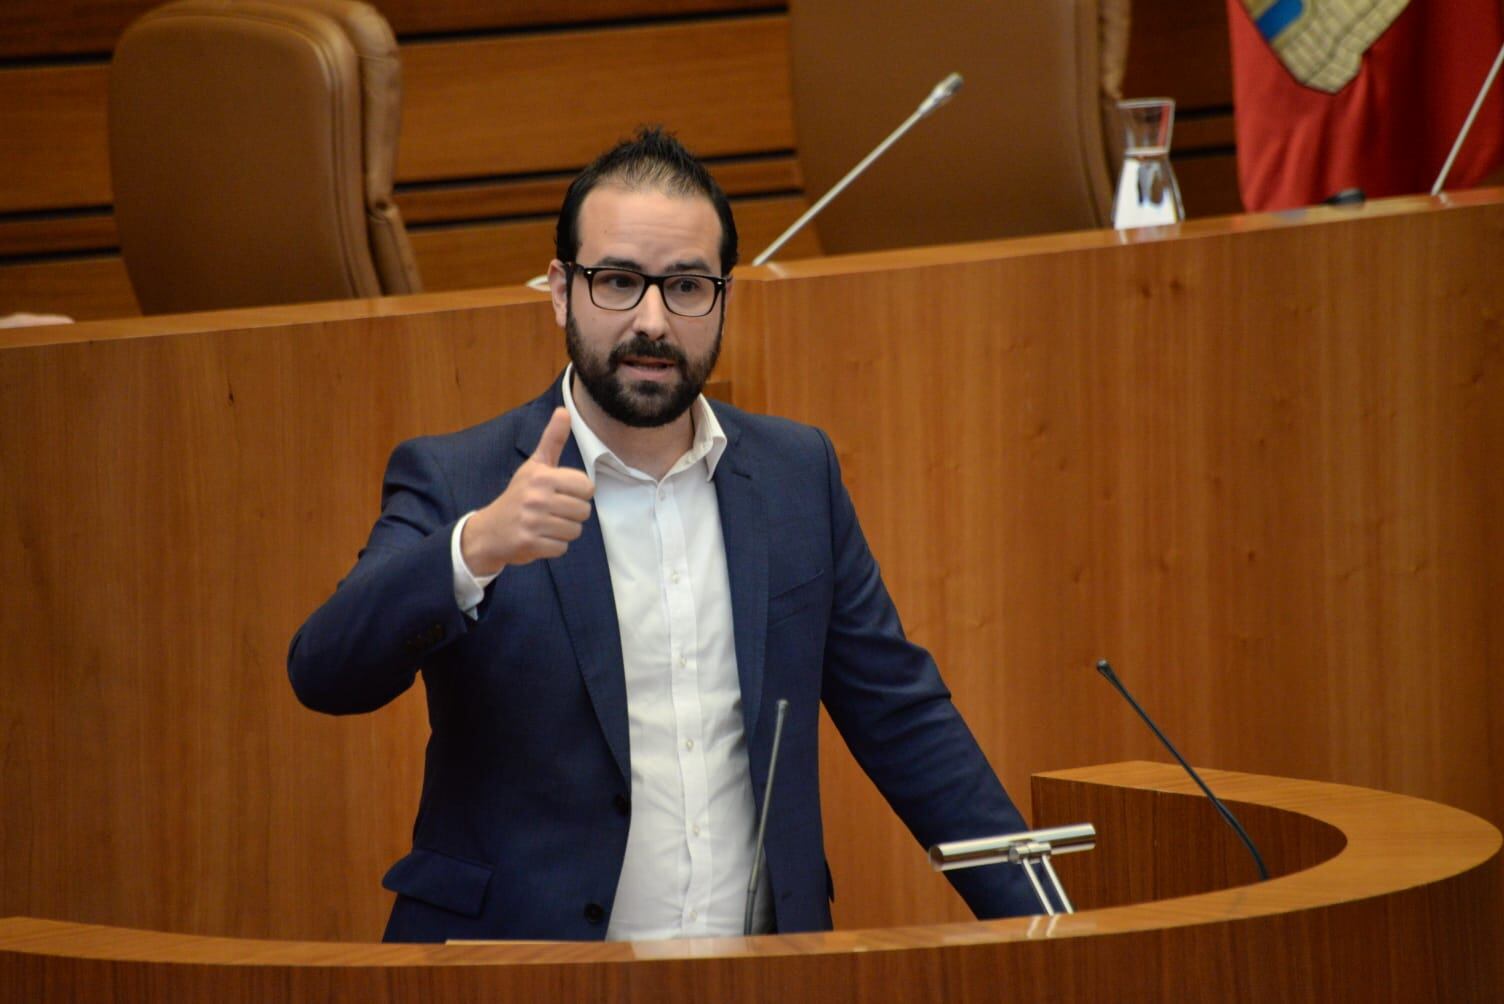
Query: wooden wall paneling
{"points": [[57, 155], [1206, 164], [427, 16], [553, 101], [496, 254], [474, 108], [463, 256], [31, 29], [1204, 130], [471, 113], [42, 28], [431, 203], [1208, 184], [50, 233], [1248, 467], [94, 287], [183, 471], [56, 152], [1180, 50]]}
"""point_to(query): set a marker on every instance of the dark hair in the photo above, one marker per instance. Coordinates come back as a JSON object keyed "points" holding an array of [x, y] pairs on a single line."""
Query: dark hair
{"points": [[651, 159]]}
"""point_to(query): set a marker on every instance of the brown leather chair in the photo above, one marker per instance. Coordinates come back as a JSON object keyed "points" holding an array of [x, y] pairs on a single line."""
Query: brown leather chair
{"points": [[1025, 147], [252, 146]]}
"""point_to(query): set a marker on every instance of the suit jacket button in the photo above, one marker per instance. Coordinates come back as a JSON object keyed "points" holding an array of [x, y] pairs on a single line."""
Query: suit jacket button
{"points": [[594, 913], [623, 806]]}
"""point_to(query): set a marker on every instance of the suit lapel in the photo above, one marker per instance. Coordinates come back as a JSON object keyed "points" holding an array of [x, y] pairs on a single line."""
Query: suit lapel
{"points": [[744, 528], [582, 581]]}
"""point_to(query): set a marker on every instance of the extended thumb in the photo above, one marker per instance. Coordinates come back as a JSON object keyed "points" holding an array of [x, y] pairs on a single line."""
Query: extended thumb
{"points": [[551, 443]]}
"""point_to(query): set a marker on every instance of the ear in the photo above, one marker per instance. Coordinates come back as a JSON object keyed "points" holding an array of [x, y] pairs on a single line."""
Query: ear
{"points": [[558, 290]]}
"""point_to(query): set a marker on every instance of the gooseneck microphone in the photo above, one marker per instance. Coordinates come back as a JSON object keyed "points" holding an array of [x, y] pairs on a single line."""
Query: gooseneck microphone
{"points": [[762, 822], [942, 92], [1105, 668]]}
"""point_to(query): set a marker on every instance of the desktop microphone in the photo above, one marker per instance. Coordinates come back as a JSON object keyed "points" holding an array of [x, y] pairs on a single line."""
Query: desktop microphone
{"points": [[1105, 668], [762, 822], [942, 92]]}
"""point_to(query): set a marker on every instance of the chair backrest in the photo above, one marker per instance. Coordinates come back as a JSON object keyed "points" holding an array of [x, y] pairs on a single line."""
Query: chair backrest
{"points": [[252, 146], [1025, 147]]}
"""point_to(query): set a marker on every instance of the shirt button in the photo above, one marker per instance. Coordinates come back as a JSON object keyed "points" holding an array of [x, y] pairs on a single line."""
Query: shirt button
{"points": [[674, 577], [689, 744], [694, 915], [695, 829], [683, 661]]}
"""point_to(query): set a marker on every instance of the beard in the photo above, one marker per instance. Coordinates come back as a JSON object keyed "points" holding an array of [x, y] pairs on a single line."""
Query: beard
{"points": [[641, 404]]}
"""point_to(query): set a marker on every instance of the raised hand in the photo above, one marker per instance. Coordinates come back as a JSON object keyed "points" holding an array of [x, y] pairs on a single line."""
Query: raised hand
{"points": [[542, 510]]}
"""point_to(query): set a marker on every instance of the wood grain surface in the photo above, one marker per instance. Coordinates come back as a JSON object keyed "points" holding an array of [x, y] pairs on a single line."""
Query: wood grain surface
{"points": [[543, 195], [176, 781], [1389, 899], [461, 255], [1250, 460], [86, 287], [479, 107], [1179, 49], [496, 254], [56, 153], [42, 28], [420, 203], [471, 107]]}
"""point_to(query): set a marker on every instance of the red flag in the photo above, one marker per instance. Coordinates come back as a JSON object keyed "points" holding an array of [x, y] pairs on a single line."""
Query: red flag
{"points": [[1399, 84]]}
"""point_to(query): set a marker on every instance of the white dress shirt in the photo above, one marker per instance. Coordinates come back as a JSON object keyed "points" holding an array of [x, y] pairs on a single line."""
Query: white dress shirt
{"points": [[693, 825]]}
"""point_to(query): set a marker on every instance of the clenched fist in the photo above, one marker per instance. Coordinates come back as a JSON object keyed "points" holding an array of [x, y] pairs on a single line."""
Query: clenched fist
{"points": [[542, 510]]}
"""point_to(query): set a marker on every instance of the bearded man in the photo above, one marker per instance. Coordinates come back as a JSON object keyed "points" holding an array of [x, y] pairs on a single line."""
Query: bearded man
{"points": [[607, 591]]}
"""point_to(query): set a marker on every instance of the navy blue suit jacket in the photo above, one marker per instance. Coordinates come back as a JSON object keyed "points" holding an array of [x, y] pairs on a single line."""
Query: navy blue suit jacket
{"points": [[522, 823]]}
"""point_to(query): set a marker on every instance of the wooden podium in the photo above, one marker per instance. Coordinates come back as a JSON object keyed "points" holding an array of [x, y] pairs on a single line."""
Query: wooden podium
{"points": [[1253, 460], [1374, 897]]}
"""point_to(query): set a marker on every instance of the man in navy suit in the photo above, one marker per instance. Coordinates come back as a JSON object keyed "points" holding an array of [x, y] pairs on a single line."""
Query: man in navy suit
{"points": [[607, 591]]}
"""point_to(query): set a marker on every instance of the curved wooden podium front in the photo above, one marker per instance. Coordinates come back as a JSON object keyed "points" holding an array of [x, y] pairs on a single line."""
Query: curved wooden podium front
{"points": [[1375, 897]]}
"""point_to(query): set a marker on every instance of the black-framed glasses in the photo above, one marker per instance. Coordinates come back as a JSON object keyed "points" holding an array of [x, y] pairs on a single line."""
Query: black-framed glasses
{"points": [[684, 293]]}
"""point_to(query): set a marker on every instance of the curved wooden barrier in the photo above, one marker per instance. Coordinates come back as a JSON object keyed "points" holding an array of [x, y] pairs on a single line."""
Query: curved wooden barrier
{"points": [[1375, 897]]}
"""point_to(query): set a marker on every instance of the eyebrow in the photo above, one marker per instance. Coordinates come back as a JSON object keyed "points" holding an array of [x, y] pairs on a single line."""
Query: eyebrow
{"points": [[690, 265]]}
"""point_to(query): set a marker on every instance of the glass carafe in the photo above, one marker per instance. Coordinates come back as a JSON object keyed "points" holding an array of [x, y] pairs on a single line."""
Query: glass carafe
{"points": [[1147, 193]]}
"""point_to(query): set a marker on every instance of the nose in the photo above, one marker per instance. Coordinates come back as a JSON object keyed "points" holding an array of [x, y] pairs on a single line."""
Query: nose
{"points": [[651, 318]]}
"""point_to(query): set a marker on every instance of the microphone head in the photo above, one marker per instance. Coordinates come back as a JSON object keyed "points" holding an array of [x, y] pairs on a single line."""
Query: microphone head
{"points": [[947, 88], [943, 92], [1105, 668]]}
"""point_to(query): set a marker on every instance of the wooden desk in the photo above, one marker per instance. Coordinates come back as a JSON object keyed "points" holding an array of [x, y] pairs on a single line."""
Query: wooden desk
{"points": [[1382, 898]]}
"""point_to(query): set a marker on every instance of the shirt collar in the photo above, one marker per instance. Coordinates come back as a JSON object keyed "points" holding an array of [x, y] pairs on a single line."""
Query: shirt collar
{"points": [[709, 441]]}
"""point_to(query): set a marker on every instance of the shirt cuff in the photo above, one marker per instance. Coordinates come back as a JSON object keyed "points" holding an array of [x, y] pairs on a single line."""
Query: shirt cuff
{"points": [[469, 589]]}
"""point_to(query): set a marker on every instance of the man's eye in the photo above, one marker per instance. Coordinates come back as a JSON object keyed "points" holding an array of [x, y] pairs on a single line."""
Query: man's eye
{"points": [[687, 284], [620, 280]]}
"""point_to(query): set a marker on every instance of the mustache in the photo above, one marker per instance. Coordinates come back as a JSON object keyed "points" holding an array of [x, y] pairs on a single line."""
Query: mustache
{"points": [[647, 348]]}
